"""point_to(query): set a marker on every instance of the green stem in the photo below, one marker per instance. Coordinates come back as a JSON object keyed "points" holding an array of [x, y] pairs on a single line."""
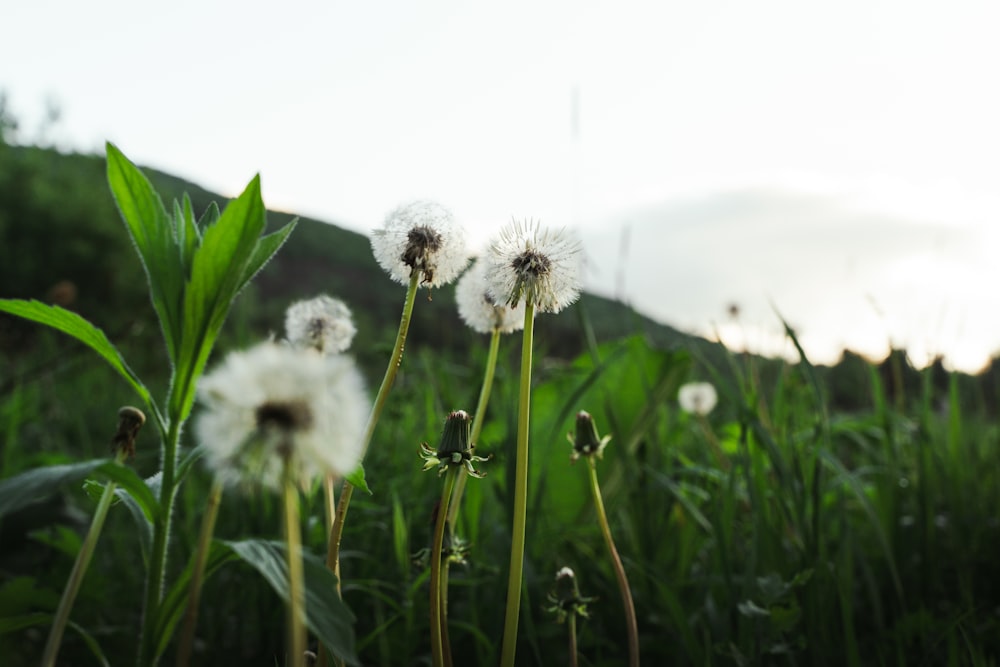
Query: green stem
{"points": [[437, 594], [616, 561], [158, 553], [520, 496], [296, 650], [477, 426], [79, 570], [340, 515], [572, 640], [198, 573]]}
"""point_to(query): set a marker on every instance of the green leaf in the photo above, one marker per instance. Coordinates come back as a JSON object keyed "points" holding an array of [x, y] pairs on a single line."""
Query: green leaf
{"points": [[188, 234], [39, 483], [358, 481], [152, 232], [216, 276], [326, 614], [265, 250], [135, 486], [72, 324]]}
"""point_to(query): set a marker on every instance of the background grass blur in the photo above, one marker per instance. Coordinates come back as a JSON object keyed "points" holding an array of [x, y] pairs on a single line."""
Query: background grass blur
{"points": [[853, 520]]}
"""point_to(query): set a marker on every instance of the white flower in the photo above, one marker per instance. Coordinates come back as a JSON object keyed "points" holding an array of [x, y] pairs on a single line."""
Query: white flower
{"points": [[565, 572], [697, 397], [531, 264], [479, 310], [322, 323], [421, 236], [275, 403]]}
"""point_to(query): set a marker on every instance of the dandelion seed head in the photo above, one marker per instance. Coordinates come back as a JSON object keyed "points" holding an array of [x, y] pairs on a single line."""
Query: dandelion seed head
{"points": [[530, 263], [323, 323], [479, 310], [697, 398], [421, 236], [276, 404]]}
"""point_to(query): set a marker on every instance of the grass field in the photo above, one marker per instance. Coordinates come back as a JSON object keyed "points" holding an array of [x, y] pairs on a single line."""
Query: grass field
{"points": [[778, 529]]}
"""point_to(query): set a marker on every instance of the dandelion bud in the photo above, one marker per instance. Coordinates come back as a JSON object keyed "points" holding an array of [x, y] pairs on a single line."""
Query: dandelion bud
{"points": [[455, 448], [587, 442], [130, 420]]}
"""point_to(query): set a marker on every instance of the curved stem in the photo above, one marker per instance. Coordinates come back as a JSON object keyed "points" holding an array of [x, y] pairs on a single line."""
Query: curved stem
{"points": [[436, 592], [296, 650], [339, 516], [198, 573], [616, 561], [515, 577], [477, 427], [77, 573]]}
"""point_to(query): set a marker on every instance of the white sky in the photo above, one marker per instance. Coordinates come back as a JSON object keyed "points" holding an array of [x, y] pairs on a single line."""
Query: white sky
{"points": [[889, 108]]}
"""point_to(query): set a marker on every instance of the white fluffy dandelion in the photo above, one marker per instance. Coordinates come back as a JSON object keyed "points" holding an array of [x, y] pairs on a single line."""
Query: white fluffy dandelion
{"points": [[323, 323], [697, 397], [421, 236], [481, 311], [274, 404], [529, 263]]}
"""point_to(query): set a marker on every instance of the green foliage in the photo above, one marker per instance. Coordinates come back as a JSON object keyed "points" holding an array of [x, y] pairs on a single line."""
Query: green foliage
{"points": [[817, 516]]}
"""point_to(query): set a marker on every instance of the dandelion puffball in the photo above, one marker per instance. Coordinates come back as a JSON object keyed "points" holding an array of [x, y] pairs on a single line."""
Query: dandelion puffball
{"points": [[531, 264], [322, 323], [479, 310], [421, 236], [697, 397], [275, 405]]}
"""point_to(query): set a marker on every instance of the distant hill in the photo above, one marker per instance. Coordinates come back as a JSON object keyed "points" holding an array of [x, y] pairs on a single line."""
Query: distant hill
{"points": [[62, 240]]}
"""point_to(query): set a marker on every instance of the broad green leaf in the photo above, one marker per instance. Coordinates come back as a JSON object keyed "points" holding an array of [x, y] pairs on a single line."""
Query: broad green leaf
{"points": [[39, 483], [152, 232], [265, 250], [216, 275], [142, 521], [358, 481], [72, 324], [188, 234], [326, 614], [135, 486]]}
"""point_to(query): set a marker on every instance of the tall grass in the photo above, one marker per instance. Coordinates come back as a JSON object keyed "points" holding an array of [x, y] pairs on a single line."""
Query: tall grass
{"points": [[830, 538]]}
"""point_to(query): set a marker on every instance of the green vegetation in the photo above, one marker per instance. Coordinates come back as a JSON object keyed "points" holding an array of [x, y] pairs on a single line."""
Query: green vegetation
{"points": [[851, 521]]}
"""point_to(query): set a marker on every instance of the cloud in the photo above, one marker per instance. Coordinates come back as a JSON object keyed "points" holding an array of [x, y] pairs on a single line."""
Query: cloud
{"points": [[842, 276]]}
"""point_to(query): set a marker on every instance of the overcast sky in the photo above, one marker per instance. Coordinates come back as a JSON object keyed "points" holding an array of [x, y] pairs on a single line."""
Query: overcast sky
{"points": [[861, 131]]}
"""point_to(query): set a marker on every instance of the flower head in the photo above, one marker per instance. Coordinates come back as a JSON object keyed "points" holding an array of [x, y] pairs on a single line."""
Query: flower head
{"points": [[322, 323], [565, 600], [275, 405], [455, 448], [480, 310], [587, 442], [421, 236], [697, 397], [536, 265]]}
